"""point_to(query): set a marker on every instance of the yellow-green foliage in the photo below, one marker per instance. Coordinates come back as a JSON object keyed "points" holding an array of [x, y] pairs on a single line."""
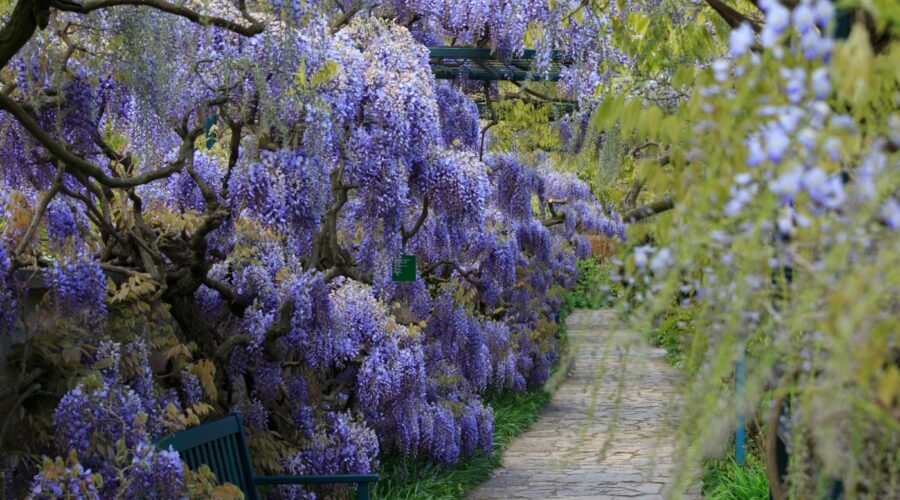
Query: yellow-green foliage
{"points": [[826, 339], [524, 127]]}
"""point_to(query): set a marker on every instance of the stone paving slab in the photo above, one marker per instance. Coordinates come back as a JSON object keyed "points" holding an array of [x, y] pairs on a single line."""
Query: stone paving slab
{"points": [[607, 432]]}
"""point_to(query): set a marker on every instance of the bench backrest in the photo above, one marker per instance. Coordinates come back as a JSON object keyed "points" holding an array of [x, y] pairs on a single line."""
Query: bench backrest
{"points": [[222, 446]]}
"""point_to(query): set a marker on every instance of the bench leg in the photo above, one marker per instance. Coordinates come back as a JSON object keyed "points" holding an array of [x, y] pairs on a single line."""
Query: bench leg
{"points": [[362, 491]]}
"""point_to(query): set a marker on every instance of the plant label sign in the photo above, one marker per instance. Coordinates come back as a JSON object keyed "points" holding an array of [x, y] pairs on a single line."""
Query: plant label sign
{"points": [[404, 268], [211, 135]]}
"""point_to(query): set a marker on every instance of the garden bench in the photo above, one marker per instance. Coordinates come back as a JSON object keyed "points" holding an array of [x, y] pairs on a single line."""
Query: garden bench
{"points": [[222, 446]]}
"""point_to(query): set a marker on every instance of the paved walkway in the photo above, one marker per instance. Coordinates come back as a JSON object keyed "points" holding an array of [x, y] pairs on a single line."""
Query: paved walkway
{"points": [[606, 432]]}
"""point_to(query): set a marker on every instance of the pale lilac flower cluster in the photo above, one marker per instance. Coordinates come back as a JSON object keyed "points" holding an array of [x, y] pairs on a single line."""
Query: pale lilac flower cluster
{"points": [[91, 421], [805, 121], [78, 287], [190, 389], [73, 481], [456, 183], [890, 212], [459, 117]]}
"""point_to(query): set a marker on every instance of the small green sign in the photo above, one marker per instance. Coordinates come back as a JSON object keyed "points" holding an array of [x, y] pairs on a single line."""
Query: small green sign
{"points": [[404, 268], [211, 134]]}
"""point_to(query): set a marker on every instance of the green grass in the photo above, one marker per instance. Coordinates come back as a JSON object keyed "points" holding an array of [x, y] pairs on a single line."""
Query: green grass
{"points": [[725, 480], [416, 479]]}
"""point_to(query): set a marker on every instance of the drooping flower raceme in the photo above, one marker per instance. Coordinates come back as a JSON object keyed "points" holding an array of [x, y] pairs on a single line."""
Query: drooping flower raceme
{"points": [[78, 287]]}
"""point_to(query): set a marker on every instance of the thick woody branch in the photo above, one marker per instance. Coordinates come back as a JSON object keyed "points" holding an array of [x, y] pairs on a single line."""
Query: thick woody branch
{"points": [[467, 275], [554, 221], [732, 16], [630, 199], [524, 88], [234, 153], [494, 119], [254, 28], [638, 149], [93, 213], [213, 216], [78, 164], [39, 213], [649, 210], [424, 215], [551, 204], [236, 302], [26, 18], [230, 343], [345, 17], [108, 151]]}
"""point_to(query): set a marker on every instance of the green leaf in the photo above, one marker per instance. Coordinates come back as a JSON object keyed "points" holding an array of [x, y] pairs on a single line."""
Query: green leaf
{"points": [[325, 74], [300, 77], [683, 76], [650, 122]]}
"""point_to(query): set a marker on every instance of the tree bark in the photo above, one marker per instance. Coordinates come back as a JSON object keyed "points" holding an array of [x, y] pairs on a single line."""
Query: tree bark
{"points": [[732, 16], [641, 213], [27, 16]]}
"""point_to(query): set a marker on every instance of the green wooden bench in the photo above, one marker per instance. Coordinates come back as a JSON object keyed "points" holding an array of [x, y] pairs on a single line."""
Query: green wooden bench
{"points": [[222, 446]]}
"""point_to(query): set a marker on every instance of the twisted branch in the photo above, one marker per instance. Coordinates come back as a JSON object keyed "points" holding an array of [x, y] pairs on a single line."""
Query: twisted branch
{"points": [[467, 275], [649, 210], [254, 28], [412, 232], [39, 213]]}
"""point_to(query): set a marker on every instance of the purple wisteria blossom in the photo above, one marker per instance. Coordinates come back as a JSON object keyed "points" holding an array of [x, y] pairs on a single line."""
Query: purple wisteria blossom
{"points": [[741, 39]]}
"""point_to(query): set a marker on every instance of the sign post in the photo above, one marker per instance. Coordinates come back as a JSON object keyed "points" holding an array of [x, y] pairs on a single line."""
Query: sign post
{"points": [[740, 436], [211, 135]]}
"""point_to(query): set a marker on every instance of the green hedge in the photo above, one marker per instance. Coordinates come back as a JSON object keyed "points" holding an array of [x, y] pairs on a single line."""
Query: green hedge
{"points": [[594, 288]]}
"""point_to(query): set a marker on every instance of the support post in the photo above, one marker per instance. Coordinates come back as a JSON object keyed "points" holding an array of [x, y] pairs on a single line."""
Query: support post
{"points": [[740, 435]]}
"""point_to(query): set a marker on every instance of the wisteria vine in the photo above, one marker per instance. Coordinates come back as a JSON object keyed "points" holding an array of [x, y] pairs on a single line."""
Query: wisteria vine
{"points": [[249, 194]]}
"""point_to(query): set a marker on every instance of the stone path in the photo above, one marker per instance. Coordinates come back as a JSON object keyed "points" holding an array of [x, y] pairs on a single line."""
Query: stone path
{"points": [[603, 435]]}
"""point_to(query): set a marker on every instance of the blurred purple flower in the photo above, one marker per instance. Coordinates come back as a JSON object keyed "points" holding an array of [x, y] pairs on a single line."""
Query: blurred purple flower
{"points": [[777, 142], [741, 39], [823, 12], [890, 212], [821, 83], [804, 17], [795, 83]]}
